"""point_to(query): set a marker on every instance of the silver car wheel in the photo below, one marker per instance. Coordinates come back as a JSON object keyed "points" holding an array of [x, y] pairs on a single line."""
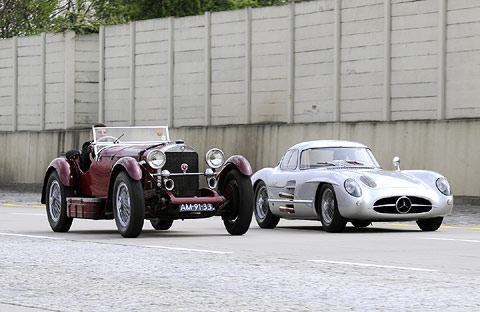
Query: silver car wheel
{"points": [[261, 203], [55, 201], [328, 206], [123, 206]]}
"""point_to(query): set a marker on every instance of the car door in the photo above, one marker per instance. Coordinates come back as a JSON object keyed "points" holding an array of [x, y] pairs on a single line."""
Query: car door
{"points": [[280, 187]]}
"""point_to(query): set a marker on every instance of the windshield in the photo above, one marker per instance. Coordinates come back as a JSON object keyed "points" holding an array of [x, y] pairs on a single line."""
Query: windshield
{"points": [[337, 156], [106, 136]]}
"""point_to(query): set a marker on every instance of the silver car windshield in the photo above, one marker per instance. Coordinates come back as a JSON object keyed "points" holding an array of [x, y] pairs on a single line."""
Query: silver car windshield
{"points": [[337, 156]]}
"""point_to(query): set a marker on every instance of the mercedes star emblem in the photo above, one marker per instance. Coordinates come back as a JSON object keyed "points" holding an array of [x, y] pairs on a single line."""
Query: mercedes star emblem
{"points": [[403, 204]]}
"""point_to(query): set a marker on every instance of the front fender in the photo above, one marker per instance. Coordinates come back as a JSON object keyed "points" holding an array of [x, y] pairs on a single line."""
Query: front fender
{"points": [[130, 165], [65, 173], [234, 162]]}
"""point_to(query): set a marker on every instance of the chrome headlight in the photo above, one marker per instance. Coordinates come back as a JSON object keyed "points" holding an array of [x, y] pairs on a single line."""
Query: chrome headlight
{"points": [[352, 187], [156, 159], [214, 158], [443, 186]]}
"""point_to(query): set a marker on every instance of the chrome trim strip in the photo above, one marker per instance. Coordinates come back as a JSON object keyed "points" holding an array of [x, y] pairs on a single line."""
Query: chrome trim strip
{"points": [[289, 201]]}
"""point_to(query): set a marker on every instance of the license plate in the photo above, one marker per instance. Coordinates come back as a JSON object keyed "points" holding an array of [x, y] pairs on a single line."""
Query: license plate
{"points": [[196, 207]]}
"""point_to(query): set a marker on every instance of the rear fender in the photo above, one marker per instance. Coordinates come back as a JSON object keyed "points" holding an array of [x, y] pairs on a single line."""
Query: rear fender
{"points": [[128, 164], [234, 162], [65, 172]]}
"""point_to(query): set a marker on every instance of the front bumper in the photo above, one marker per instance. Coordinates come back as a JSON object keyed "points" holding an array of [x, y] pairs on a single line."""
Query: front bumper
{"points": [[363, 208]]}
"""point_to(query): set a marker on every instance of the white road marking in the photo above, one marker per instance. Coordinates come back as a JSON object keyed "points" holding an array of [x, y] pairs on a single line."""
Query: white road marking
{"points": [[145, 246], [188, 249], [373, 265], [452, 239], [30, 236], [28, 214]]}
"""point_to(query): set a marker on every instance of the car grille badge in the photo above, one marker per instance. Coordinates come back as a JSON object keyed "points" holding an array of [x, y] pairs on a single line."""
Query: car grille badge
{"points": [[184, 167]]}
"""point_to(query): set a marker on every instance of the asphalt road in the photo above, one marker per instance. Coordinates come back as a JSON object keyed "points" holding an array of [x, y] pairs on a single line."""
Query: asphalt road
{"points": [[197, 266]]}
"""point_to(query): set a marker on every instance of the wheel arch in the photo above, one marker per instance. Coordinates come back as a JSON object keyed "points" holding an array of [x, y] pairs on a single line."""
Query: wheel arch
{"points": [[65, 173], [317, 197], [128, 165], [237, 162]]}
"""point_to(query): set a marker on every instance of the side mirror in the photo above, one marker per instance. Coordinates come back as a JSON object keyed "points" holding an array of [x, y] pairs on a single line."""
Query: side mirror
{"points": [[396, 162]]}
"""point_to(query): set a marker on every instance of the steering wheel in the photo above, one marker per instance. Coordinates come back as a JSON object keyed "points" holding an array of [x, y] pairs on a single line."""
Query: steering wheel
{"points": [[107, 138]]}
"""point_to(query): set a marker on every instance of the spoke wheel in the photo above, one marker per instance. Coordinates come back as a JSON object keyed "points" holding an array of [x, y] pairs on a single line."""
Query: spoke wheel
{"points": [[128, 205], [238, 191], [265, 218], [123, 206], [56, 203], [330, 217]]}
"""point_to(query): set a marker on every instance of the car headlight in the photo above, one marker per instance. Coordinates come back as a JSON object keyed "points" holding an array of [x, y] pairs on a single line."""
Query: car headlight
{"points": [[443, 186], [352, 187], [156, 159], [214, 158]]}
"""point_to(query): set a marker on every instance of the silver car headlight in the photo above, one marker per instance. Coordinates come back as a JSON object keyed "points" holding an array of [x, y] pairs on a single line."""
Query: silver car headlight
{"points": [[352, 187], [443, 186], [214, 158], [156, 159]]}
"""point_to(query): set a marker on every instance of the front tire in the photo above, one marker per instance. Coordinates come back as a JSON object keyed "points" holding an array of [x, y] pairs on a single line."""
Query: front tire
{"points": [[238, 190], [56, 203], [265, 218], [330, 217], [128, 205], [161, 225], [429, 225]]}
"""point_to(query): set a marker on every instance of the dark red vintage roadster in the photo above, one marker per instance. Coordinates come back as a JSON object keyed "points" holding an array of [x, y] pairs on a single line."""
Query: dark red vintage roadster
{"points": [[135, 173]]}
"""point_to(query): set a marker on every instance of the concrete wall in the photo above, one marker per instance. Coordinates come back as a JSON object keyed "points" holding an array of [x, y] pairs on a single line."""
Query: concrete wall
{"points": [[313, 61], [442, 146], [49, 81]]}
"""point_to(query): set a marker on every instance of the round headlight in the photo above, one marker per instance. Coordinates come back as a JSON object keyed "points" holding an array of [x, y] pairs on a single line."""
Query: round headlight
{"points": [[156, 159], [214, 158], [352, 187], [443, 186]]}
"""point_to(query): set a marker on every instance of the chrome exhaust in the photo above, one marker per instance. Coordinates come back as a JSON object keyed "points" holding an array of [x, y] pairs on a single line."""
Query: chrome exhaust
{"points": [[169, 184], [212, 182]]}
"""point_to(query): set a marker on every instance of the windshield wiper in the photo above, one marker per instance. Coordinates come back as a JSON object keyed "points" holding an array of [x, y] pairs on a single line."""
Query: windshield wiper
{"points": [[118, 139], [354, 162], [326, 163]]}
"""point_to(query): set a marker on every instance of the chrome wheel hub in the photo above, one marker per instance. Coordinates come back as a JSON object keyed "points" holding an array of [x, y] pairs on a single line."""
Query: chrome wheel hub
{"points": [[122, 206], [55, 201], [328, 206], [261, 204]]}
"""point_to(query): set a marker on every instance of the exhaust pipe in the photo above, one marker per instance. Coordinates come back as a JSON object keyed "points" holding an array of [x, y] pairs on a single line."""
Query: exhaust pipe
{"points": [[169, 184]]}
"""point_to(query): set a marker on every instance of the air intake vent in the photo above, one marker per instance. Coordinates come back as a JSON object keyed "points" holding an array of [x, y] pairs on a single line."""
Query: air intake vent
{"points": [[402, 205]]}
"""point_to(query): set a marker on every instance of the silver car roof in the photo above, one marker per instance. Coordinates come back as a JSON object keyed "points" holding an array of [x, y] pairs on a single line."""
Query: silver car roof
{"points": [[326, 143]]}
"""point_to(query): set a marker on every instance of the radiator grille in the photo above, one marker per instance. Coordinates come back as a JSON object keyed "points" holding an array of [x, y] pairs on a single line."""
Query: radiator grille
{"points": [[388, 205], [185, 186]]}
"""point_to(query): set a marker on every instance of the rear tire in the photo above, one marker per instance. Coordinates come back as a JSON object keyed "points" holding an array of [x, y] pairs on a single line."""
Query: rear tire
{"points": [[161, 225], [56, 203], [429, 225], [330, 217], [265, 218], [128, 205], [238, 213]]}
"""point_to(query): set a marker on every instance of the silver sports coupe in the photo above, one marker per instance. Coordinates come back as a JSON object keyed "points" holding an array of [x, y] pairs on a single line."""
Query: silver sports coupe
{"points": [[340, 181]]}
